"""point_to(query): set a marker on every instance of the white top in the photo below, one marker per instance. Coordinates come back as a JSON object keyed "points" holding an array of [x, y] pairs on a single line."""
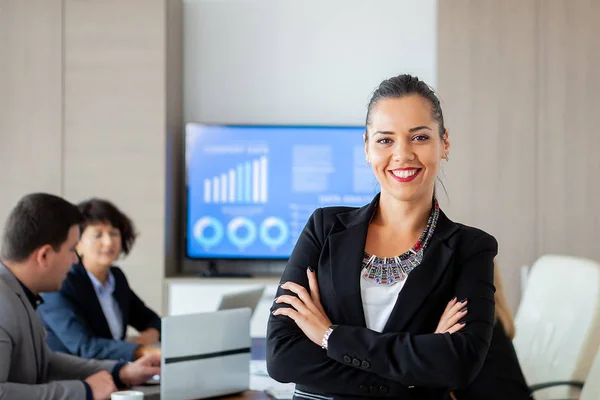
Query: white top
{"points": [[378, 301], [110, 307]]}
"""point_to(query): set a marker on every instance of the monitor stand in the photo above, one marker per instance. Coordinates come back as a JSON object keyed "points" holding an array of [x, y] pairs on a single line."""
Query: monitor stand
{"points": [[213, 272]]}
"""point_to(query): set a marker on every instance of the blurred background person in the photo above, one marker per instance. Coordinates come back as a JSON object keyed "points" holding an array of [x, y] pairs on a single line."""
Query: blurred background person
{"points": [[38, 248], [90, 315], [501, 376]]}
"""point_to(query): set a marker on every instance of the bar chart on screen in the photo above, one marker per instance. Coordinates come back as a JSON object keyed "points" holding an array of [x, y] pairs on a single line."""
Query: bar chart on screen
{"points": [[244, 183], [252, 189]]}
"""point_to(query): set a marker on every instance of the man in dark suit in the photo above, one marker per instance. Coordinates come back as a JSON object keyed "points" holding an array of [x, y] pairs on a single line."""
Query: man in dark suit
{"points": [[38, 248]]}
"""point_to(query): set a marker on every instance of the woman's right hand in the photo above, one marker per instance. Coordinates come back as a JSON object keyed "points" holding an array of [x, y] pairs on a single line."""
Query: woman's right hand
{"points": [[454, 312]]}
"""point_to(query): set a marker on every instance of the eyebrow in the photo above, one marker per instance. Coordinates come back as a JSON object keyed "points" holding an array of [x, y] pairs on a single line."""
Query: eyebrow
{"points": [[411, 130], [418, 128], [383, 133]]}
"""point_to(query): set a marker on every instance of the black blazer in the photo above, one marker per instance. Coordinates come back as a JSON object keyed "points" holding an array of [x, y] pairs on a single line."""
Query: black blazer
{"points": [[76, 324], [406, 361]]}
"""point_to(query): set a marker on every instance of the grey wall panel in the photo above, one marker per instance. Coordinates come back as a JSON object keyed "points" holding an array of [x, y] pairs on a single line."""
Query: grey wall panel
{"points": [[487, 82], [30, 99]]}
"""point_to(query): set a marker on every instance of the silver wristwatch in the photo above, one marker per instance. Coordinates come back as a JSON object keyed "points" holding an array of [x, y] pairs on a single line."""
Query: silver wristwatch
{"points": [[325, 340]]}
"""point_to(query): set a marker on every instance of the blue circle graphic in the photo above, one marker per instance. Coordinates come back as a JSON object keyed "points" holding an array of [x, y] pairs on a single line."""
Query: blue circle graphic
{"points": [[280, 238], [233, 232], [207, 241]]}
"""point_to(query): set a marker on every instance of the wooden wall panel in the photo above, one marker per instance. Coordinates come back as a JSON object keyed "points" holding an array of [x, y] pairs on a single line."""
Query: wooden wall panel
{"points": [[30, 99], [486, 80], [115, 124], [569, 121], [174, 138]]}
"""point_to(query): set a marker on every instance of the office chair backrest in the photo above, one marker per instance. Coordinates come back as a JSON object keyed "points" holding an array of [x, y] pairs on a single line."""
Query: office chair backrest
{"points": [[591, 389], [558, 322]]}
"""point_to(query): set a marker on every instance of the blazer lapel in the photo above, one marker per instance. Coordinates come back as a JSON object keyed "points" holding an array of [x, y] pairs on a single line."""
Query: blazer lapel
{"points": [[121, 295], [86, 294], [423, 279], [346, 249]]}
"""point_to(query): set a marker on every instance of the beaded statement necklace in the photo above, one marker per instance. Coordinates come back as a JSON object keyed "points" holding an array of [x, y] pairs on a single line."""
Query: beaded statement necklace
{"points": [[390, 270]]}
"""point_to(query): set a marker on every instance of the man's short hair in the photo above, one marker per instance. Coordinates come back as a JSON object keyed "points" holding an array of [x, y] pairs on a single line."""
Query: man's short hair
{"points": [[37, 220]]}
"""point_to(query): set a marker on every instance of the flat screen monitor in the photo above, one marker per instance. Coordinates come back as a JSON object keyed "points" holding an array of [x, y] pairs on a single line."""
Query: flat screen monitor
{"points": [[251, 189]]}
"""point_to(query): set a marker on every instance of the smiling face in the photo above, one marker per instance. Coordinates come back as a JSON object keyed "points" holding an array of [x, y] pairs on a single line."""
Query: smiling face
{"points": [[404, 146]]}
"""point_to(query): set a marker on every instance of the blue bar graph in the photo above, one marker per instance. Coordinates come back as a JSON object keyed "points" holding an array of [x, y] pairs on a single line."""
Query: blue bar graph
{"points": [[244, 183], [240, 184], [247, 182]]}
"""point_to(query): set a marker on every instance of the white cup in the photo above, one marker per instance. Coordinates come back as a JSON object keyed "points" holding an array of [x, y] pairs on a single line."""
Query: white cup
{"points": [[127, 395]]}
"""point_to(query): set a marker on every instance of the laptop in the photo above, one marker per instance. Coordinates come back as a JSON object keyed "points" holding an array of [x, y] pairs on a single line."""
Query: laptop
{"points": [[205, 355], [248, 298]]}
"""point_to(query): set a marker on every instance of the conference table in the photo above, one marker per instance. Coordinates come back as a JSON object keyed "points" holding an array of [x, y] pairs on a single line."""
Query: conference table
{"points": [[153, 393]]}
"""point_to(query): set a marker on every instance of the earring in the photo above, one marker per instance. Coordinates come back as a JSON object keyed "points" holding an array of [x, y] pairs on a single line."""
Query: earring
{"points": [[368, 161], [446, 158]]}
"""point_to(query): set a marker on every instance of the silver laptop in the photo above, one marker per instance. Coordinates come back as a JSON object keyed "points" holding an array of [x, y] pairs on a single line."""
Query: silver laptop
{"points": [[205, 355], [248, 298]]}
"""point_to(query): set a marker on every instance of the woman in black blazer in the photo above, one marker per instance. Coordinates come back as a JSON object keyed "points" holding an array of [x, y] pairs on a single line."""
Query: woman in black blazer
{"points": [[362, 294], [89, 316]]}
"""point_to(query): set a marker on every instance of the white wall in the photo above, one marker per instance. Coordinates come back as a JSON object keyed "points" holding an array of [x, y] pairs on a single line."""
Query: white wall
{"points": [[300, 62]]}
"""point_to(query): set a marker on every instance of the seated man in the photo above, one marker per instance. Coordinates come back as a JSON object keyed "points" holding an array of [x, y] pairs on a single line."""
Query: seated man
{"points": [[38, 249]]}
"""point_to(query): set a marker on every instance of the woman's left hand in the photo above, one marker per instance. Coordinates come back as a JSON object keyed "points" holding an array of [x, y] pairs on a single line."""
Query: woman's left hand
{"points": [[307, 310]]}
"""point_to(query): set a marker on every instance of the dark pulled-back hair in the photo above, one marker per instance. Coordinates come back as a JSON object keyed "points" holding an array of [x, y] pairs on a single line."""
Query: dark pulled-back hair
{"points": [[406, 85], [37, 220], [103, 211]]}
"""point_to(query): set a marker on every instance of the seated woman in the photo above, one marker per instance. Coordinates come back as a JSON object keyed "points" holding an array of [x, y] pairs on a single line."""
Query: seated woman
{"points": [[90, 314], [501, 376]]}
